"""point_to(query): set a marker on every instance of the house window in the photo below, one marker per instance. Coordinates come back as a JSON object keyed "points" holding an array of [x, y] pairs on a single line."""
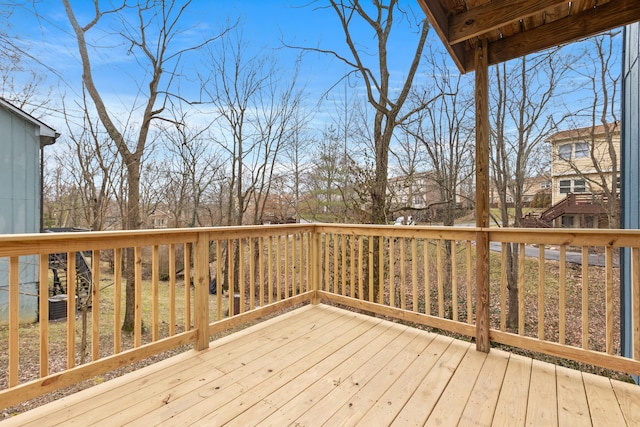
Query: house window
{"points": [[579, 186], [545, 185], [582, 150], [567, 221], [565, 186], [589, 221], [564, 151]]}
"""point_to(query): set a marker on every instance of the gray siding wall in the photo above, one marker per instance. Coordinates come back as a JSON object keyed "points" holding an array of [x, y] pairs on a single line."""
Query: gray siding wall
{"points": [[19, 205], [630, 165]]}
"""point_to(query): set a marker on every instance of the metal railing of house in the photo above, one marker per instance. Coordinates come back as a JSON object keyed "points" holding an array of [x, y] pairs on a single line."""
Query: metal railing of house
{"points": [[567, 306]]}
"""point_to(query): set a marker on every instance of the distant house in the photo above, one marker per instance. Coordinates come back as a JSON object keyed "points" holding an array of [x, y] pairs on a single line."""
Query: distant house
{"points": [[581, 160], [417, 191], [419, 195], [574, 172], [159, 219], [533, 188], [572, 168], [22, 138]]}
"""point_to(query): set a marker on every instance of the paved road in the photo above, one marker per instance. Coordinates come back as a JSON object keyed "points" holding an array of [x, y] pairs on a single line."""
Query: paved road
{"points": [[554, 255]]}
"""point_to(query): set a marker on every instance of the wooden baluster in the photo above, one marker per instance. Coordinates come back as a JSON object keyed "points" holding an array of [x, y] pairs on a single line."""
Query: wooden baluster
{"points": [[137, 283], [219, 279], [71, 310], [541, 258], [44, 314], [117, 300], [14, 321], [95, 305], [469, 284], [172, 289], [241, 275], [278, 269], [371, 284], [635, 305], [521, 306], [403, 276], [609, 298], [414, 274], [155, 260], [562, 289], [585, 297], [454, 280], [187, 286], [503, 288], [440, 279], [427, 278]]}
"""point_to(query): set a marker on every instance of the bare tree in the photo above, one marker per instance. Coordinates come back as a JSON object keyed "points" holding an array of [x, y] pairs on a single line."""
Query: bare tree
{"points": [[191, 168], [387, 99], [90, 162], [255, 110], [443, 132], [148, 31], [323, 181], [523, 117], [443, 128], [297, 152], [601, 78]]}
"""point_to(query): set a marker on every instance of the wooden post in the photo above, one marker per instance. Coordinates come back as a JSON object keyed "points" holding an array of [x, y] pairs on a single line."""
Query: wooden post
{"points": [[482, 197], [316, 265], [201, 293]]}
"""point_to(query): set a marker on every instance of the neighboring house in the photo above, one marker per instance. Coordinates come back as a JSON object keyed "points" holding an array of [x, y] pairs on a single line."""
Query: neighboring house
{"points": [[572, 168], [533, 187], [421, 193], [159, 219], [577, 199], [22, 138], [417, 191]]}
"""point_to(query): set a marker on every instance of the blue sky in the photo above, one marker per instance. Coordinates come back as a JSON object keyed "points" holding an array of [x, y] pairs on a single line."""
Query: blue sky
{"points": [[264, 24]]}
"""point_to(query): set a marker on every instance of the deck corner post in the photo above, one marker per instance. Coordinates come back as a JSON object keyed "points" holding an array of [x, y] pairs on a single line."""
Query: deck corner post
{"points": [[482, 196], [201, 296]]}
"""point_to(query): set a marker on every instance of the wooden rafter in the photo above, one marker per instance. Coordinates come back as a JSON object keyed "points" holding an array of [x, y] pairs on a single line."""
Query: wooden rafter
{"points": [[493, 15], [514, 28]]}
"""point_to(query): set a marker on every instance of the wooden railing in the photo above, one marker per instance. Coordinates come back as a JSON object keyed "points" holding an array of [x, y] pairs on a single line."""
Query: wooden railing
{"points": [[568, 283], [567, 307], [172, 303]]}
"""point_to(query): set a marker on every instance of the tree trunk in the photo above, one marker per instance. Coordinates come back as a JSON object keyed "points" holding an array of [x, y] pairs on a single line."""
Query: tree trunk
{"points": [[133, 223]]}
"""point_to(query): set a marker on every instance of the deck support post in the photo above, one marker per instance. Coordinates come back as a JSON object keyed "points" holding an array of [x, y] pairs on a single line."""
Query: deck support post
{"points": [[482, 197], [201, 293]]}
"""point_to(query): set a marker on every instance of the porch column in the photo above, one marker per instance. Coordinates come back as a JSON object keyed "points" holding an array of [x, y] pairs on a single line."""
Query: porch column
{"points": [[482, 197]]}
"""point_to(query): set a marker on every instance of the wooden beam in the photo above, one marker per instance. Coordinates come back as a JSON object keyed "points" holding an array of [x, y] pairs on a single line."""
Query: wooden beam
{"points": [[438, 19], [592, 21], [482, 197], [493, 15]]}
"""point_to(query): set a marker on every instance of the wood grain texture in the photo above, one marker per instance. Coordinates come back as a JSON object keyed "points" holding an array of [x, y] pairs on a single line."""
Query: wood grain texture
{"points": [[321, 365]]}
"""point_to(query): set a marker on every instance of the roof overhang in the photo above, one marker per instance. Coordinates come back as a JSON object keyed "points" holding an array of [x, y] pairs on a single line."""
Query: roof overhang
{"points": [[514, 28], [46, 133]]}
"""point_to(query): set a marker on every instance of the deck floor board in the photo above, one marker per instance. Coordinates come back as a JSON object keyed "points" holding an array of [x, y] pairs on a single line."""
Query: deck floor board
{"points": [[321, 365]]}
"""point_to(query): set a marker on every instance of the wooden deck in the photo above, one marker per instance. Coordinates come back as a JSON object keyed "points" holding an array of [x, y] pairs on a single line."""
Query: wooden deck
{"points": [[320, 365]]}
